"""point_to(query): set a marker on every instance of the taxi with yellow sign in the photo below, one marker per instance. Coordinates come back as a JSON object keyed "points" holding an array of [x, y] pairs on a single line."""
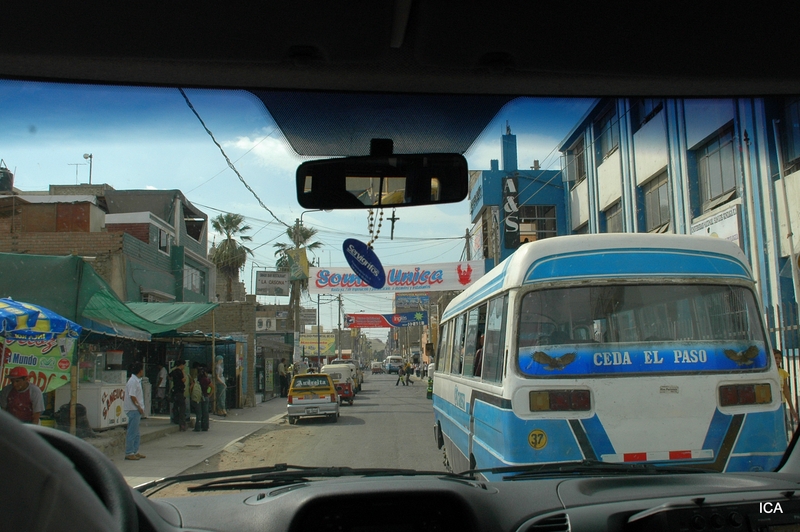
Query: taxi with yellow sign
{"points": [[312, 395]]}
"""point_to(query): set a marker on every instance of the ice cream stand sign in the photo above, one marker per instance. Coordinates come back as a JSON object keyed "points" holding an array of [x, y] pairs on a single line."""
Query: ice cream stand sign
{"points": [[44, 346]]}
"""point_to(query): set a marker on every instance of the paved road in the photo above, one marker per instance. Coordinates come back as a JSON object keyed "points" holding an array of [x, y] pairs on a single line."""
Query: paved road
{"points": [[388, 426]]}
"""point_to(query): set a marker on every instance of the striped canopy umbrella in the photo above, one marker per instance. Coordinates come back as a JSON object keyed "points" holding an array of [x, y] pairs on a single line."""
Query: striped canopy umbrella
{"points": [[25, 316], [14, 316]]}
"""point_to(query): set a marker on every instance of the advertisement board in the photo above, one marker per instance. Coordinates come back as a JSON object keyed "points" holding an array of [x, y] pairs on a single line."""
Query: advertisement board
{"points": [[272, 283], [407, 278]]}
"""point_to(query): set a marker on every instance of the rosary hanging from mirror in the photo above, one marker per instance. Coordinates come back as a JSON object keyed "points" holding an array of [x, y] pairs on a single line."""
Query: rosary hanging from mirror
{"points": [[373, 232]]}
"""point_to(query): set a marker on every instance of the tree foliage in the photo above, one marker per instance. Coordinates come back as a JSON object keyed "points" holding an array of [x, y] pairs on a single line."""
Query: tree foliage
{"points": [[230, 255]]}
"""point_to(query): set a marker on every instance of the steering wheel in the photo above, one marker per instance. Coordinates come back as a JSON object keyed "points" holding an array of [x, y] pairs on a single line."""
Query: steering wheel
{"points": [[99, 473]]}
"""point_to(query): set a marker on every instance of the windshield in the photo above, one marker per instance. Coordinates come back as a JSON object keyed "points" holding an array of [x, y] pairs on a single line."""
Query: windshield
{"points": [[165, 223]]}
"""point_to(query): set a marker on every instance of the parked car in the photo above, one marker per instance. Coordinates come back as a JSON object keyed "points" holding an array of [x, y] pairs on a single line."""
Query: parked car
{"points": [[312, 395]]}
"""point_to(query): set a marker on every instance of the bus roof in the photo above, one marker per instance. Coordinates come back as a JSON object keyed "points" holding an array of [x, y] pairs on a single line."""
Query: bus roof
{"points": [[608, 256]]}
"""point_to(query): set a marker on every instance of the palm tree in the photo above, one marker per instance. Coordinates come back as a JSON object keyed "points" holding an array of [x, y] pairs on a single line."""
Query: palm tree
{"points": [[300, 236], [230, 256]]}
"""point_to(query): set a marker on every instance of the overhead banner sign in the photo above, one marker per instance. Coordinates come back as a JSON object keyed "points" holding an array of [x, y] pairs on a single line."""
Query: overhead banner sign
{"points": [[372, 321], [410, 278], [272, 283]]}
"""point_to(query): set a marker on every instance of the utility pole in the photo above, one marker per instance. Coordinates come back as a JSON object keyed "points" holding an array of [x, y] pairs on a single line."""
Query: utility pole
{"points": [[339, 328], [467, 246]]}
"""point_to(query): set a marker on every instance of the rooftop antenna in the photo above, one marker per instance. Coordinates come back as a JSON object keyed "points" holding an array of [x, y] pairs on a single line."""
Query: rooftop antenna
{"points": [[76, 165]]}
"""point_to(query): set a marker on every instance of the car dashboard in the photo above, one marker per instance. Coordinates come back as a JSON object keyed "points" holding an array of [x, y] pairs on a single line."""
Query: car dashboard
{"points": [[692, 502]]}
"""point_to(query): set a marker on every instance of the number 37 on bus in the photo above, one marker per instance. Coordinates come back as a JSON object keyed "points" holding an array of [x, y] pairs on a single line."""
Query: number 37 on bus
{"points": [[613, 349]]}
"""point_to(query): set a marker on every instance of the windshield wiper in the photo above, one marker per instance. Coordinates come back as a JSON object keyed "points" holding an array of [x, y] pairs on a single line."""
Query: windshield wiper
{"points": [[277, 475], [592, 467]]}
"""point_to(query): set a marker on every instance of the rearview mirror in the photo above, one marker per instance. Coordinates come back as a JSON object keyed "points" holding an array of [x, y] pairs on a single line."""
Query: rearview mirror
{"points": [[382, 181]]}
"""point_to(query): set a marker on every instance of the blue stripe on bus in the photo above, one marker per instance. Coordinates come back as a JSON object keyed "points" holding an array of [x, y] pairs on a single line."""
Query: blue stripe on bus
{"points": [[759, 462], [598, 438], [655, 357], [716, 431], [762, 432], [635, 262], [454, 421]]}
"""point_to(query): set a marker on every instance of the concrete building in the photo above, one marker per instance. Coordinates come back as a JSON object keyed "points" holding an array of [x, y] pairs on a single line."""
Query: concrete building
{"points": [[703, 167], [510, 206], [149, 245]]}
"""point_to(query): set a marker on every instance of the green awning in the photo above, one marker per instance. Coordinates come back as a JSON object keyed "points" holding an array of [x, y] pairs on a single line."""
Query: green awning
{"points": [[70, 287], [172, 315]]}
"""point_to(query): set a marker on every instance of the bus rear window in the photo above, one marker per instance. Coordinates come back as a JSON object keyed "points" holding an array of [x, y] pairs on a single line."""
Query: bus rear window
{"points": [[640, 328]]}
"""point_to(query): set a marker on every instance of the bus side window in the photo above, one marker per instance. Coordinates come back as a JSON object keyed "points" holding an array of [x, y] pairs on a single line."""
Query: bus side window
{"points": [[494, 340], [445, 351], [457, 359], [475, 326]]}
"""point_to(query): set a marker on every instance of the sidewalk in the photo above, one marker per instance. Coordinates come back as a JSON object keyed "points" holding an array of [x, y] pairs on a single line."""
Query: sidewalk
{"points": [[170, 452]]}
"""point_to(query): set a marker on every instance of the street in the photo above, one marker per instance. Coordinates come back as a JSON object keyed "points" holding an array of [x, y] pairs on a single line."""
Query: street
{"points": [[387, 426]]}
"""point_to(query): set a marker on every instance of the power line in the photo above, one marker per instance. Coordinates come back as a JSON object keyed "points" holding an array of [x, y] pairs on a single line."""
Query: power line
{"points": [[227, 159]]}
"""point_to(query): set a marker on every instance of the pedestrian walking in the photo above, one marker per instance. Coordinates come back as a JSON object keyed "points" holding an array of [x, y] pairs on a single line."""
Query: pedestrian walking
{"points": [[283, 377], [401, 372], [409, 371], [133, 404], [162, 404], [204, 382], [221, 387], [195, 396], [178, 379]]}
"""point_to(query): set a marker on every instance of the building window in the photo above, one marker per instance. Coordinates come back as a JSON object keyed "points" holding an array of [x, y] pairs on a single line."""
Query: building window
{"points": [[163, 241], [791, 136], [194, 279], [613, 216], [716, 170], [656, 203], [643, 110], [606, 133], [576, 162], [536, 222]]}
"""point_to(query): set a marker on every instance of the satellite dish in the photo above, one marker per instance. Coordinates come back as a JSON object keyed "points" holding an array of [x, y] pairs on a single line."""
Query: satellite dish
{"points": [[87, 155]]}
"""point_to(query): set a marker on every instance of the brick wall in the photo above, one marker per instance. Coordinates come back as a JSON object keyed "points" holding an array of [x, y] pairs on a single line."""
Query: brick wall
{"points": [[140, 231], [52, 243]]}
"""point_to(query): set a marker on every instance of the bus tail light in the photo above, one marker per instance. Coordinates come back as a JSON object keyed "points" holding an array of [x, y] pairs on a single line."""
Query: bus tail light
{"points": [[560, 401], [745, 394], [289, 399]]}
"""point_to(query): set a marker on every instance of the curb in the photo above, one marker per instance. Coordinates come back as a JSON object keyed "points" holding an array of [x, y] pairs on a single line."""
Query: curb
{"points": [[112, 443]]}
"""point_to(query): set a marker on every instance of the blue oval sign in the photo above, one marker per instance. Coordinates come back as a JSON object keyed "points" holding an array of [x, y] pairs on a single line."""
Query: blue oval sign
{"points": [[364, 262]]}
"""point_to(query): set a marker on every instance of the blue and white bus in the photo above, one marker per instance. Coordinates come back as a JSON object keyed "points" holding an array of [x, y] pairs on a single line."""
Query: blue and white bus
{"points": [[612, 348]]}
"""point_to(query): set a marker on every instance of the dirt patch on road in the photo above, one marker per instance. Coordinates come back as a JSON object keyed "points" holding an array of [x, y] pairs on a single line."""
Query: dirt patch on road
{"points": [[261, 449]]}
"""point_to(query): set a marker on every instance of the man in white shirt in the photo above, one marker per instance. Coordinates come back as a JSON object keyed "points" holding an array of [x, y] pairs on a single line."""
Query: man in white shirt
{"points": [[161, 390], [133, 404]]}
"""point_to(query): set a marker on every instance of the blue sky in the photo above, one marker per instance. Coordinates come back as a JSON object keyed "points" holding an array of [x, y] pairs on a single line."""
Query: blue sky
{"points": [[149, 138]]}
